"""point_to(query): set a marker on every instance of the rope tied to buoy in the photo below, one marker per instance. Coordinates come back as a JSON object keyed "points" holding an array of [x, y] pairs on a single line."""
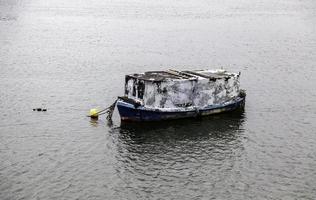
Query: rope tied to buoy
{"points": [[94, 113]]}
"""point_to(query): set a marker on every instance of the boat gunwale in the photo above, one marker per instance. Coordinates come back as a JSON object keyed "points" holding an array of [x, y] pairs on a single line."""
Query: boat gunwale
{"points": [[182, 110]]}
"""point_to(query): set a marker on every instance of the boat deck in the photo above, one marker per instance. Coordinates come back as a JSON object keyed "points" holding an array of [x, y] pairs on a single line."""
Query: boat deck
{"points": [[178, 75]]}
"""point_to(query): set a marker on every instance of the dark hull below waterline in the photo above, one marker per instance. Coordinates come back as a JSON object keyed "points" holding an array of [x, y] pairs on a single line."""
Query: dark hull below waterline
{"points": [[128, 112]]}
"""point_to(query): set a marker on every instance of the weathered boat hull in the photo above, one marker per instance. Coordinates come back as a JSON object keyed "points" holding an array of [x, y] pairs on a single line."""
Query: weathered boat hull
{"points": [[131, 112]]}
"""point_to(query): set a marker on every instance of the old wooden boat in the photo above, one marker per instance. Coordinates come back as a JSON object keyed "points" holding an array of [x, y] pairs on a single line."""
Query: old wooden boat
{"points": [[171, 94]]}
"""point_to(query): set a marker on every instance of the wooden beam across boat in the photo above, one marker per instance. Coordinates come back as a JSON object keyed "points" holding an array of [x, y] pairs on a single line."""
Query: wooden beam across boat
{"points": [[213, 76], [181, 73], [198, 74], [177, 73], [188, 74]]}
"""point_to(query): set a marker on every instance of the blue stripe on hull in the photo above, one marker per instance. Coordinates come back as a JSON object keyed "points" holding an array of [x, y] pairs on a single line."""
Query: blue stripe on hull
{"points": [[129, 113]]}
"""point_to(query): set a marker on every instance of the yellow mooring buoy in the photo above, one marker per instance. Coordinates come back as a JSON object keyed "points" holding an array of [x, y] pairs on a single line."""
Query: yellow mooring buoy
{"points": [[94, 113]]}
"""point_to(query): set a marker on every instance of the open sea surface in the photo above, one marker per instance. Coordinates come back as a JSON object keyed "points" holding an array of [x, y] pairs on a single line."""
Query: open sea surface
{"points": [[71, 55]]}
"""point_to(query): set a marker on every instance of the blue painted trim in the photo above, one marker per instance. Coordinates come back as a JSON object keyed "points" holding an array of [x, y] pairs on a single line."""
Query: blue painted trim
{"points": [[128, 112]]}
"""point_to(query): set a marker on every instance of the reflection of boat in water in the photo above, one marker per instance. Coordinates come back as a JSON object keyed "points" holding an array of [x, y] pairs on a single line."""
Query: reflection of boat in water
{"points": [[178, 153], [215, 126], [168, 148], [164, 95]]}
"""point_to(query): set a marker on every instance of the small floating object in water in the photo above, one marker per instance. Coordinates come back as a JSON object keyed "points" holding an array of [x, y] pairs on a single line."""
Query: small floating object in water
{"points": [[40, 109], [94, 113]]}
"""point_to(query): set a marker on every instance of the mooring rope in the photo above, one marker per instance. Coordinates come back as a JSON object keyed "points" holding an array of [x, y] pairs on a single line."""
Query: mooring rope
{"points": [[109, 111]]}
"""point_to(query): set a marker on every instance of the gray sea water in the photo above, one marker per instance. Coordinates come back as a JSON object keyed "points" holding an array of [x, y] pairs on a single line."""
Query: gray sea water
{"points": [[70, 56]]}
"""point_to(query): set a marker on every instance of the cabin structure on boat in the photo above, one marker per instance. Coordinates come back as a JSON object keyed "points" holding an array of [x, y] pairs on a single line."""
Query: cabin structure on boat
{"points": [[174, 89]]}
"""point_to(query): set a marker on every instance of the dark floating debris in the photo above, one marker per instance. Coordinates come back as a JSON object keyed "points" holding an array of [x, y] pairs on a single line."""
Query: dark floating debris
{"points": [[40, 109]]}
